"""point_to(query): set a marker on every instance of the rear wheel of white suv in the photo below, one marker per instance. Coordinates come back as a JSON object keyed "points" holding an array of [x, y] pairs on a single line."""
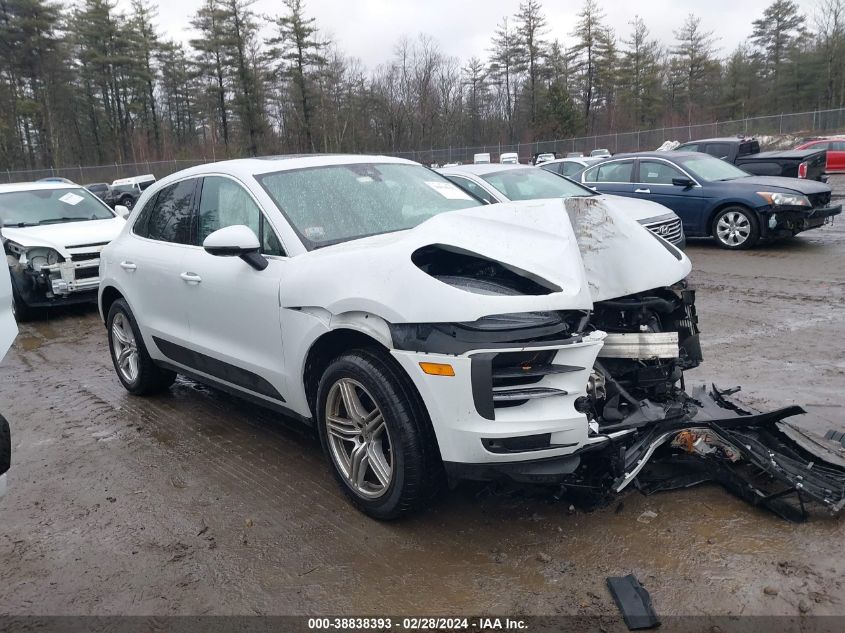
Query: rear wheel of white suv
{"points": [[376, 435], [133, 365]]}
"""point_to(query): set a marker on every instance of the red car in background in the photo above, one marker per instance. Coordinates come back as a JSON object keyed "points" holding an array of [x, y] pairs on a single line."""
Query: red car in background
{"points": [[835, 152]]}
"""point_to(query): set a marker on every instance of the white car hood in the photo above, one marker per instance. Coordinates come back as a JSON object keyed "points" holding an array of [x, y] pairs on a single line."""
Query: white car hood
{"points": [[66, 235], [620, 256], [590, 248], [377, 274], [636, 209]]}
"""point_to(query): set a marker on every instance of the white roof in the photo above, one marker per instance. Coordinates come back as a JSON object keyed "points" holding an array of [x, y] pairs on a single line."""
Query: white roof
{"points": [[246, 167], [36, 186], [480, 170]]}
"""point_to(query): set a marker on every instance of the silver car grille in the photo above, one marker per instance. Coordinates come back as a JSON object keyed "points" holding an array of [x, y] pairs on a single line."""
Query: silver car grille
{"points": [[671, 230]]}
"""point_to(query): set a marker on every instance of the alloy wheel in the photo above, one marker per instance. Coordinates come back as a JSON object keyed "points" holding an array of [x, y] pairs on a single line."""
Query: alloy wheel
{"points": [[358, 438], [733, 228], [125, 347]]}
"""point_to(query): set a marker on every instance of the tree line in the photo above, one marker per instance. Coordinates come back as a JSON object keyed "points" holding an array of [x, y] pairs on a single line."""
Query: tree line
{"points": [[92, 84]]}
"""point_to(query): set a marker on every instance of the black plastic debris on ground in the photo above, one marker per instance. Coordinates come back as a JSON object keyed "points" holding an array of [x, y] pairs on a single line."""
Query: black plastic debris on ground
{"points": [[633, 602]]}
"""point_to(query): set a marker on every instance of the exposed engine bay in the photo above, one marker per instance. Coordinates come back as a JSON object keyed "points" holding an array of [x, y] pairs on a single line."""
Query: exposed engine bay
{"points": [[662, 436]]}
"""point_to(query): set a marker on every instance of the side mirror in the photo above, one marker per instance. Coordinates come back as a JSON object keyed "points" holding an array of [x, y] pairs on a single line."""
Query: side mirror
{"points": [[121, 211], [686, 183], [236, 241]]}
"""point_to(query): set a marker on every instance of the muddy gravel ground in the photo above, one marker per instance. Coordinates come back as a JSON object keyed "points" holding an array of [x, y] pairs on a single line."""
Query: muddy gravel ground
{"points": [[194, 502]]}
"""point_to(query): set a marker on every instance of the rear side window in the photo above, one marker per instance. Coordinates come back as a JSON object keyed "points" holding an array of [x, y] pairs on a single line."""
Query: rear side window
{"points": [[168, 217], [690, 147], [610, 172], [838, 146]]}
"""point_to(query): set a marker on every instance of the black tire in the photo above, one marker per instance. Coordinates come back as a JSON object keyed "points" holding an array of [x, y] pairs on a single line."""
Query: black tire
{"points": [[127, 202], [22, 311], [5, 446], [736, 228], [416, 469], [150, 377]]}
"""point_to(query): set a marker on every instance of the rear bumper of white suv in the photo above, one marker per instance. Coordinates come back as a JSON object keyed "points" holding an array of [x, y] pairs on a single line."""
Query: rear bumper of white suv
{"points": [[510, 407]]}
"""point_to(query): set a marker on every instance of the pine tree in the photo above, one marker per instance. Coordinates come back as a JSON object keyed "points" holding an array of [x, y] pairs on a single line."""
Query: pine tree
{"points": [[210, 47], [775, 34], [639, 76], [693, 65], [589, 55], [300, 54], [506, 66], [531, 27]]}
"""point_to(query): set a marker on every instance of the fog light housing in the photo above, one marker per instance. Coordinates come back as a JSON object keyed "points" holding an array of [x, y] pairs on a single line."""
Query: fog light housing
{"points": [[773, 221]]}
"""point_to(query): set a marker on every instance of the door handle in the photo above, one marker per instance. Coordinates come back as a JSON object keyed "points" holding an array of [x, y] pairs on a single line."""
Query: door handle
{"points": [[191, 278], [130, 266], [642, 190]]}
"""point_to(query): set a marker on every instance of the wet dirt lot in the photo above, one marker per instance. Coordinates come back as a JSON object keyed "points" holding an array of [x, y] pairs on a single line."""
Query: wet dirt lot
{"points": [[194, 502]]}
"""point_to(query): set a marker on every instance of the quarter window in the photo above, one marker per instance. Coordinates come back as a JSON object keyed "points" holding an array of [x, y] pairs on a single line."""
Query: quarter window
{"points": [[170, 214], [468, 185], [570, 168], [657, 173], [226, 203]]}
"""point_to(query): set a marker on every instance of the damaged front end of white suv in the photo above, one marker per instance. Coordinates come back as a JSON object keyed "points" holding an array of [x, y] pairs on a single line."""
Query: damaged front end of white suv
{"points": [[586, 397]]}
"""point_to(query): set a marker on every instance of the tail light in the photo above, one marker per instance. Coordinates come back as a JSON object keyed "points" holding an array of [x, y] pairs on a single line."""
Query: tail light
{"points": [[802, 170]]}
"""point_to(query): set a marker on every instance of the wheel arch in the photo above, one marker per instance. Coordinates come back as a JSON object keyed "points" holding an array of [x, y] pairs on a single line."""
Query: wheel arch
{"points": [[326, 348], [721, 206], [108, 296]]}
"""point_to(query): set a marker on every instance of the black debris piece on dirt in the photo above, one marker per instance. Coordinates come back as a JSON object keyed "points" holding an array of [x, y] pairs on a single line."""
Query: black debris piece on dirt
{"points": [[633, 602]]}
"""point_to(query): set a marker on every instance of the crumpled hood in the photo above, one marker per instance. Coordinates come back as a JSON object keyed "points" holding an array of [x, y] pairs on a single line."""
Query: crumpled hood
{"points": [[619, 255], [376, 274], [65, 235]]}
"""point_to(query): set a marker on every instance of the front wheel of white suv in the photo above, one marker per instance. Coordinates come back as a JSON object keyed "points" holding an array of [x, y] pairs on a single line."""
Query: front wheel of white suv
{"points": [[376, 435], [133, 365]]}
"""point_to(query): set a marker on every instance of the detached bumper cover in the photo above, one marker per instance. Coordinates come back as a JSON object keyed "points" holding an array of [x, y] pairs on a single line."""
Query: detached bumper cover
{"points": [[758, 456]]}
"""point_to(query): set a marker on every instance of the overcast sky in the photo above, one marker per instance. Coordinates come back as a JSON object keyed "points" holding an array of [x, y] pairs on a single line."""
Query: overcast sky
{"points": [[368, 29]]}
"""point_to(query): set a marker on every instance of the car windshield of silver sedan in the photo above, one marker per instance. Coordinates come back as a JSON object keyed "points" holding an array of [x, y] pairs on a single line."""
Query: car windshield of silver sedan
{"points": [[51, 206], [712, 169], [337, 203], [534, 184]]}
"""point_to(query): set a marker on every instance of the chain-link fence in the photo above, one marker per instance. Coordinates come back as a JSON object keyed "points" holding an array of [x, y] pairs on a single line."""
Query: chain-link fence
{"points": [[102, 173], [786, 128]]}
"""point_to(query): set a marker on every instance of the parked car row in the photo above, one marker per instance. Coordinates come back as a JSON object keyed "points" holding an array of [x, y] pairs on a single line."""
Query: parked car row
{"points": [[493, 184], [519, 326], [745, 153], [715, 198]]}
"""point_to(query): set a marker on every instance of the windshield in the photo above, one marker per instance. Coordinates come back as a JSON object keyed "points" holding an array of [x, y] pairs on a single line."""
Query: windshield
{"points": [[337, 203], [51, 206], [711, 169], [534, 184]]}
